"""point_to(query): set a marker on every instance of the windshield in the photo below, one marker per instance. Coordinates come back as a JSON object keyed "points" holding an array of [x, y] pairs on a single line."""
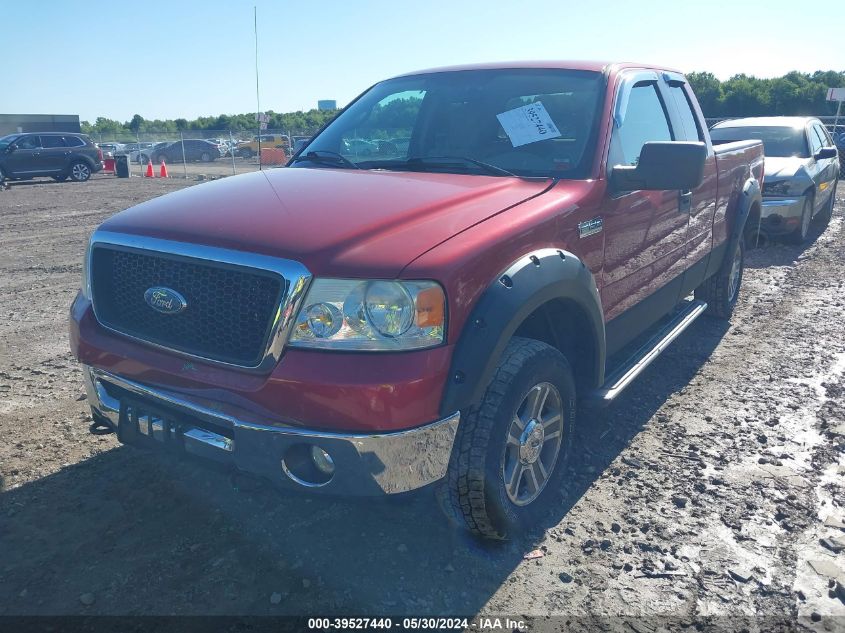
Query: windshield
{"points": [[777, 140], [5, 141], [529, 122]]}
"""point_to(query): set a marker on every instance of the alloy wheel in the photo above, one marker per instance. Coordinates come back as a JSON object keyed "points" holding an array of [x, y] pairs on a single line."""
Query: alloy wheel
{"points": [[533, 444]]}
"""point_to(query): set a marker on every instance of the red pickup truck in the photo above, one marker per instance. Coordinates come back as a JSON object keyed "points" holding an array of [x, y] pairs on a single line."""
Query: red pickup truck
{"points": [[435, 309]]}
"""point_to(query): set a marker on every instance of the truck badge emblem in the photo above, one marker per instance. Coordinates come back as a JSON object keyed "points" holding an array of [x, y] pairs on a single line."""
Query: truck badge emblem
{"points": [[165, 300], [590, 227]]}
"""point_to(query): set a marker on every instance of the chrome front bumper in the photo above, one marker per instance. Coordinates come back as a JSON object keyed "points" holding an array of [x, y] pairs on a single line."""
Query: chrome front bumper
{"points": [[781, 214], [364, 465]]}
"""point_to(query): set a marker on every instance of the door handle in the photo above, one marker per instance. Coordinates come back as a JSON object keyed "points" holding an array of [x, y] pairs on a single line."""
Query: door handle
{"points": [[684, 201]]}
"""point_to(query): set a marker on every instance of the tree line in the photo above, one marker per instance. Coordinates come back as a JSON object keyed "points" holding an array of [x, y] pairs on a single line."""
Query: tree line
{"points": [[794, 94], [742, 95], [295, 122]]}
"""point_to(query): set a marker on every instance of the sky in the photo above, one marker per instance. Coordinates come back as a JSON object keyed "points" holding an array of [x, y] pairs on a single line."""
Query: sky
{"points": [[189, 58]]}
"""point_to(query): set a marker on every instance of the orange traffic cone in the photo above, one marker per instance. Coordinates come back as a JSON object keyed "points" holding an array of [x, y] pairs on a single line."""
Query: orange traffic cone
{"points": [[150, 173], [163, 170]]}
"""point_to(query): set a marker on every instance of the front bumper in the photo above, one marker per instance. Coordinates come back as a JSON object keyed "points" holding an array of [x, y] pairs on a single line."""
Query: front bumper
{"points": [[364, 464], [781, 214]]}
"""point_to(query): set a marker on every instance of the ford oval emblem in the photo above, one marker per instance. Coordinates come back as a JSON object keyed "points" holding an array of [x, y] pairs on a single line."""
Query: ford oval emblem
{"points": [[165, 300]]}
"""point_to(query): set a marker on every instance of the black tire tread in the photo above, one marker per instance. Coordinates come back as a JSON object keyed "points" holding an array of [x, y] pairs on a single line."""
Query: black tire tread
{"points": [[462, 498]]}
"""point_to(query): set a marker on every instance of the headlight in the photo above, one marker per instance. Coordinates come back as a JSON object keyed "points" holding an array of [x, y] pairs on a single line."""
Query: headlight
{"points": [[371, 315], [776, 188], [85, 283]]}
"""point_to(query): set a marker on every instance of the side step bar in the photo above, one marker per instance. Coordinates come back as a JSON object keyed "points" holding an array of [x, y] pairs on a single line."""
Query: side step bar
{"points": [[621, 378]]}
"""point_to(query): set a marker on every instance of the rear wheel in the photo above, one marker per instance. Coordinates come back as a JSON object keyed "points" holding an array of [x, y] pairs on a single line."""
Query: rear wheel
{"points": [[246, 152], [721, 291], [512, 447], [80, 172], [799, 235], [205, 157]]}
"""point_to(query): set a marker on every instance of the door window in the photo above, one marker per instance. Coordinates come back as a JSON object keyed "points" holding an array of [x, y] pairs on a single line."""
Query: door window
{"points": [[827, 141], [28, 142], [690, 128], [645, 120], [50, 142], [74, 141], [815, 141]]}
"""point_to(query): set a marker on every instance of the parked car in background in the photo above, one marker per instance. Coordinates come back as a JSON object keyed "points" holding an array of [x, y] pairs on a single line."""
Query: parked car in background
{"points": [[376, 327], [59, 155], [248, 149], [192, 149], [353, 147], [802, 170], [840, 145], [151, 153], [111, 148], [300, 142]]}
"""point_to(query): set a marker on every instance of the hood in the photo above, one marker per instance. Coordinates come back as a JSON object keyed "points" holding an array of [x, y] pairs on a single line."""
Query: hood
{"points": [[778, 167], [335, 222]]}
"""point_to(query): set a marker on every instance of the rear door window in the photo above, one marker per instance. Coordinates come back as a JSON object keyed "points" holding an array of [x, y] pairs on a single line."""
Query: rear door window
{"points": [[645, 120], [50, 142], [689, 123], [74, 141]]}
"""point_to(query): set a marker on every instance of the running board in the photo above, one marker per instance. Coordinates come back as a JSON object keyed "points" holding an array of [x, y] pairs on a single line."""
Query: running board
{"points": [[644, 356]]}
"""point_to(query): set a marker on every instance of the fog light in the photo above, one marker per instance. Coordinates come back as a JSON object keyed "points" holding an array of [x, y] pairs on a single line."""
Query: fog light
{"points": [[322, 460]]}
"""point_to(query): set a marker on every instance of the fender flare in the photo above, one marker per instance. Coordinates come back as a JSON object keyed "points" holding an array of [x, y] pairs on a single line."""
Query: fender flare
{"points": [[528, 283], [751, 193]]}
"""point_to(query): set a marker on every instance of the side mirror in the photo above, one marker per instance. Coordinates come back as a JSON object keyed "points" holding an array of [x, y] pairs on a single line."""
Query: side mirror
{"points": [[12, 147], [826, 152], [663, 165]]}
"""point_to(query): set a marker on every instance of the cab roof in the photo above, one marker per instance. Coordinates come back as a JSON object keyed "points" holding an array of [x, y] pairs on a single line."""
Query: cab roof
{"points": [[767, 121], [595, 66]]}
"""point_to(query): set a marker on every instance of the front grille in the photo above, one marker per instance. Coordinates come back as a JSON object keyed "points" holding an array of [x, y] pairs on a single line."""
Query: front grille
{"points": [[230, 309]]}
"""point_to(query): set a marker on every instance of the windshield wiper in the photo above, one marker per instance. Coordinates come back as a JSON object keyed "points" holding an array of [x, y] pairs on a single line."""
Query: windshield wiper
{"points": [[327, 158], [490, 169]]}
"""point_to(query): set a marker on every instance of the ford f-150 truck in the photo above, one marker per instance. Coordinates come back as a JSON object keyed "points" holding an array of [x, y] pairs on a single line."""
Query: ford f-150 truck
{"points": [[435, 312]]}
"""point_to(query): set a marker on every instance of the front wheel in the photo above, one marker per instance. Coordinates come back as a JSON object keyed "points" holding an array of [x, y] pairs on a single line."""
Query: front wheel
{"points": [[513, 446], [824, 216], [799, 235], [80, 172], [721, 291]]}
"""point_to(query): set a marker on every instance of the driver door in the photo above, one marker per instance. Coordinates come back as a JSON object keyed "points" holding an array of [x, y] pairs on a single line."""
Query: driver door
{"points": [[645, 231], [25, 160]]}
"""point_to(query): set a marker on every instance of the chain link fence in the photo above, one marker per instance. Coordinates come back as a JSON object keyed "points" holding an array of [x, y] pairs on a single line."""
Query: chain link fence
{"points": [[203, 153]]}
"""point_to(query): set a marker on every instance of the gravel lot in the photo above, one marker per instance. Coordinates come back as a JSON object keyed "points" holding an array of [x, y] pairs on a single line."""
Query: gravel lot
{"points": [[704, 493]]}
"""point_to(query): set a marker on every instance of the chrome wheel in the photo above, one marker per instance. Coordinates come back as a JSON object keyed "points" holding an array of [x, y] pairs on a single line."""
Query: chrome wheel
{"points": [[205, 157], [80, 172], [533, 444], [736, 275]]}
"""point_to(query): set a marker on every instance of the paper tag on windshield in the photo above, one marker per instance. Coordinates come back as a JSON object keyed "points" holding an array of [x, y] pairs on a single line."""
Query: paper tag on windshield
{"points": [[528, 124]]}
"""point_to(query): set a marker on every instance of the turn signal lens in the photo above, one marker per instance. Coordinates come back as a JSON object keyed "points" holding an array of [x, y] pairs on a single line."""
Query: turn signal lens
{"points": [[431, 304]]}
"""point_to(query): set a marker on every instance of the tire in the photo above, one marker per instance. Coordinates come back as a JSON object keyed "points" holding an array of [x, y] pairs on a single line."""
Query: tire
{"points": [[79, 171], [205, 157], [824, 216], [500, 435], [247, 153], [721, 291], [799, 235], [60, 178], [2, 178], [162, 157]]}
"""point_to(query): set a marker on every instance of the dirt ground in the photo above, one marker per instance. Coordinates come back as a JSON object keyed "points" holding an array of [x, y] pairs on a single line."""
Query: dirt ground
{"points": [[704, 494]]}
